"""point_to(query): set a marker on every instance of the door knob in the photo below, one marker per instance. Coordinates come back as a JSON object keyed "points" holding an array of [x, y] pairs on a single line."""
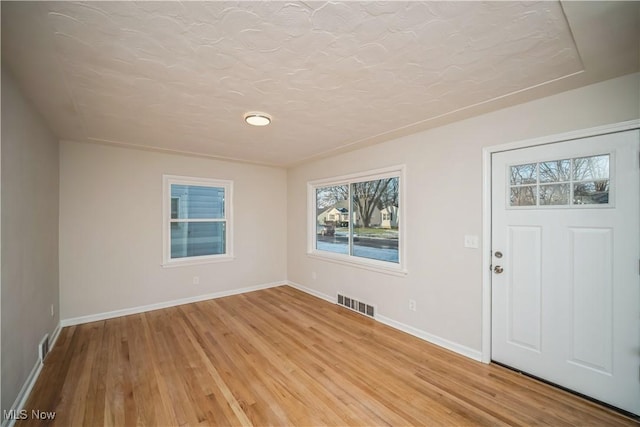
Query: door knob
{"points": [[497, 269]]}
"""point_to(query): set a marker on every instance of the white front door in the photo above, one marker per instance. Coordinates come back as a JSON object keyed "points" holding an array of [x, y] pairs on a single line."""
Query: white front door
{"points": [[565, 258]]}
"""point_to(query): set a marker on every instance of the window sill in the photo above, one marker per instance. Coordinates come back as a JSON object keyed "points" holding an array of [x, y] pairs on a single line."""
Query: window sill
{"points": [[365, 265], [189, 262]]}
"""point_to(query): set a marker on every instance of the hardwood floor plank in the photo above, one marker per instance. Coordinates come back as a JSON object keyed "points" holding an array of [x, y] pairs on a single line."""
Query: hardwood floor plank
{"points": [[266, 355], [164, 409], [213, 372], [281, 357], [95, 373], [379, 387]]}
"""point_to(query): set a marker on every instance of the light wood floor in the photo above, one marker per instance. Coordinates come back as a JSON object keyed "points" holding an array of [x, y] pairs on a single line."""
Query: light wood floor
{"points": [[282, 357]]}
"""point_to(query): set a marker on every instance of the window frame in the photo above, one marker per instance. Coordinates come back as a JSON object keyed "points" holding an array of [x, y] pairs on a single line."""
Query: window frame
{"points": [[392, 268], [167, 182]]}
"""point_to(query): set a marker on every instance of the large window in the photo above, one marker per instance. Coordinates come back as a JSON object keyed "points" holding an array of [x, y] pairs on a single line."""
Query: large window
{"points": [[358, 219], [197, 220]]}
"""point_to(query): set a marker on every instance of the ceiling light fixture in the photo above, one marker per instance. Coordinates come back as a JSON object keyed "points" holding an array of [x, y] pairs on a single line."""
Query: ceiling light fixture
{"points": [[257, 119]]}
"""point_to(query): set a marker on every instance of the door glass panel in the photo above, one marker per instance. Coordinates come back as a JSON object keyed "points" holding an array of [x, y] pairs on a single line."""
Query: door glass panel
{"points": [[523, 196], [591, 168], [549, 183], [555, 171], [591, 193], [524, 174], [554, 194]]}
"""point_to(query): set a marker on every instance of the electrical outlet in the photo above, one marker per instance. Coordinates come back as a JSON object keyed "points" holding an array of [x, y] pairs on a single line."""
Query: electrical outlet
{"points": [[314, 276], [52, 311], [471, 241], [196, 280], [412, 305]]}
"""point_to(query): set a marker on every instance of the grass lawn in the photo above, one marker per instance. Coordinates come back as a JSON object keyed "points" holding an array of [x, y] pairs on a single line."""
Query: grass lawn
{"points": [[373, 232]]}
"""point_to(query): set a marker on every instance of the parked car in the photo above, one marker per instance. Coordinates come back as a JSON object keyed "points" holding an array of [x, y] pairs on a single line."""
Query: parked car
{"points": [[327, 229]]}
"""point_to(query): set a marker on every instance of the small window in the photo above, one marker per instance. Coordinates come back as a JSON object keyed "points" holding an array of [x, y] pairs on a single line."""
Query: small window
{"points": [[357, 219], [561, 183], [197, 220]]}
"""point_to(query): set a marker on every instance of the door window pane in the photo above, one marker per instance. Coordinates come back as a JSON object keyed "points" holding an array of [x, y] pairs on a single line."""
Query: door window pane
{"points": [[524, 174], [591, 168], [555, 171], [591, 193], [523, 196], [554, 194]]}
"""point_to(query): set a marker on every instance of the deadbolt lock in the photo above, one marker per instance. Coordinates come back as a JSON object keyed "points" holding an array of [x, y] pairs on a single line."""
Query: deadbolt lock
{"points": [[498, 254]]}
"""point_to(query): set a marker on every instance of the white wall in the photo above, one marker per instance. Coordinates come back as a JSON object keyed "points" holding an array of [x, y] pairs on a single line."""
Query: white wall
{"points": [[111, 229], [443, 203], [29, 237]]}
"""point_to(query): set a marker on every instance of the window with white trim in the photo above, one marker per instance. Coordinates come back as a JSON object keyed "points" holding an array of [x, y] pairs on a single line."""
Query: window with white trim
{"points": [[358, 219], [197, 221]]}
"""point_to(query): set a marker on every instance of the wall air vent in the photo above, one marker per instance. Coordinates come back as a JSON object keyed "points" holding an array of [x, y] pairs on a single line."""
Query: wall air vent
{"points": [[43, 348], [357, 306]]}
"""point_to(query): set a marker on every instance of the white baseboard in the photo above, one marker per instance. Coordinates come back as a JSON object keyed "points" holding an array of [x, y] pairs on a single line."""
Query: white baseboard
{"points": [[311, 292], [22, 397], [54, 336], [433, 339], [144, 308]]}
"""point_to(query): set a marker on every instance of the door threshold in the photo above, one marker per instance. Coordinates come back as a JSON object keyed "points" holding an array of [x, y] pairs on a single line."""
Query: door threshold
{"points": [[620, 411]]}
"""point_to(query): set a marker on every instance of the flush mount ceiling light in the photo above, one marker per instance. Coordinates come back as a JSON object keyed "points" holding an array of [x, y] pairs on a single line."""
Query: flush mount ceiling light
{"points": [[257, 119]]}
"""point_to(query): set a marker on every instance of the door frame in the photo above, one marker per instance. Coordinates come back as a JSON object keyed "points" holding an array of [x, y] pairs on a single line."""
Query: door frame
{"points": [[487, 153]]}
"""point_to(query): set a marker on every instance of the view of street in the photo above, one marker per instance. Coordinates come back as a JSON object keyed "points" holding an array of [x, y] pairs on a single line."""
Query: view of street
{"points": [[380, 248]]}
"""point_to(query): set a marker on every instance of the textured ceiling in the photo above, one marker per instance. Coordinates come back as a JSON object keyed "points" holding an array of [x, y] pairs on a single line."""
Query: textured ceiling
{"points": [[180, 75]]}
